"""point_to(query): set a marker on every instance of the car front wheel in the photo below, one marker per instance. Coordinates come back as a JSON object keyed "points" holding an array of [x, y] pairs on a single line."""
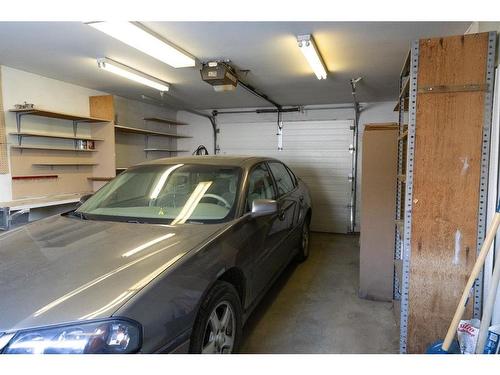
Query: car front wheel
{"points": [[303, 253], [218, 327]]}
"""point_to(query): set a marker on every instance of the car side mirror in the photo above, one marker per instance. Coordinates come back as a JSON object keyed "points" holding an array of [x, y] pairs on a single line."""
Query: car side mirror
{"points": [[263, 207], [83, 199]]}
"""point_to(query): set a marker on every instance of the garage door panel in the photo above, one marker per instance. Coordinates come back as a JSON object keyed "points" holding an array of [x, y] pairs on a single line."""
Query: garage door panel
{"points": [[317, 151]]}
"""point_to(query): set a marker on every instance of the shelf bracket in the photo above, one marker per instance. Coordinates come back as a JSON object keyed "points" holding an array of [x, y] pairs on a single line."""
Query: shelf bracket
{"points": [[18, 121]]}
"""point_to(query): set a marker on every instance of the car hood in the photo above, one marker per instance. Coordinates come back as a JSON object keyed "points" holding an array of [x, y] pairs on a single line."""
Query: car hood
{"points": [[64, 269]]}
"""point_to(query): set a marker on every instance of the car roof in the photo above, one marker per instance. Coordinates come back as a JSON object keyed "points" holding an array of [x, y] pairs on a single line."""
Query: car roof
{"points": [[225, 160]]}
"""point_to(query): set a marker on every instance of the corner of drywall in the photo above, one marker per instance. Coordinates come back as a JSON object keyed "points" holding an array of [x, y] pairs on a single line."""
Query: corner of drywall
{"points": [[199, 128], [5, 178], [491, 26], [473, 28]]}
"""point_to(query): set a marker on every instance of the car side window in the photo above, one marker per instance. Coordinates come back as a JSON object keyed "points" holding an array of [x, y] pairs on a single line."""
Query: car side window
{"points": [[260, 185], [292, 175], [282, 177]]}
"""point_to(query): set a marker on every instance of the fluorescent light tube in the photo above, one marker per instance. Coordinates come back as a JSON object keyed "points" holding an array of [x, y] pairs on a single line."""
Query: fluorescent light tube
{"points": [[311, 53], [132, 74], [135, 35]]}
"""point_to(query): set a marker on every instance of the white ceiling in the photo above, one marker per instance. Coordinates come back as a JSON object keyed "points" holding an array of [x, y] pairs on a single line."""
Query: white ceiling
{"points": [[374, 50]]}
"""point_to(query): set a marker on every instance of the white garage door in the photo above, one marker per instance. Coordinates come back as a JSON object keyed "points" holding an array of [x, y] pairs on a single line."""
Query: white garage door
{"points": [[317, 151]]}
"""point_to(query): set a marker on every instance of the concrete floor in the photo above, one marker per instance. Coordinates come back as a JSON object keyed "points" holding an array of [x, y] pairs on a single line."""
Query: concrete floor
{"points": [[314, 307]]}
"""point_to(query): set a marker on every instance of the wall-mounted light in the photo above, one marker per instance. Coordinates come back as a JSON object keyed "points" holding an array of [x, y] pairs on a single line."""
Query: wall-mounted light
{"points": [[312, 55], [137, 36], [132, 74]]}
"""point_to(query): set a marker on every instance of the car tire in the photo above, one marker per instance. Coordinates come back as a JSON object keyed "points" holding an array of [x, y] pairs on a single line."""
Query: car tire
{"points": [[215, 332], [303, 253]]}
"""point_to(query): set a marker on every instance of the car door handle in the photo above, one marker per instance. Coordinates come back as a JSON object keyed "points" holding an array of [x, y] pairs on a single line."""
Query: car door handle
{"points": [[281, 214]]}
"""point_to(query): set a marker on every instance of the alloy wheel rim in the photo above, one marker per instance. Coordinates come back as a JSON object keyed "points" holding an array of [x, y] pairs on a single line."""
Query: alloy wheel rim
{"points": [[220, 330]]}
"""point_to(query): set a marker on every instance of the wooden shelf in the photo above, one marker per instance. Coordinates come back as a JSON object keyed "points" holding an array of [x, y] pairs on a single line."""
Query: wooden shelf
{"points": [[121, 168], [51, 200], [65, 164], [58, 115], [45, 135], [164, 121], [100, 178], [35, 177], [162, 150], [406, 65], [126, 129], [50, 148], [405, 90], [406, 105]]}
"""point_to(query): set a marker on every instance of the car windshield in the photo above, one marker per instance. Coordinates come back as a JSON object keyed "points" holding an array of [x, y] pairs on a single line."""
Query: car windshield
{"points": [[167, 194]]}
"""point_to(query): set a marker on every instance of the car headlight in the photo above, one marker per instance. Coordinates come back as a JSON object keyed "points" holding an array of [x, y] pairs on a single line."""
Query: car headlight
{"points": [[101, 337]]}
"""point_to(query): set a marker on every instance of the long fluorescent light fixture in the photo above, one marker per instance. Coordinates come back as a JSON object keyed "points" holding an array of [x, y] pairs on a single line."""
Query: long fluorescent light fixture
{"points": [[137, 36], [132, 74], [312, 55]]}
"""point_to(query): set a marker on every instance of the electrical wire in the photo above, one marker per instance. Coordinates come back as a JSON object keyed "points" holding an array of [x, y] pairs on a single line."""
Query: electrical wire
{"points": [[200, 150]]}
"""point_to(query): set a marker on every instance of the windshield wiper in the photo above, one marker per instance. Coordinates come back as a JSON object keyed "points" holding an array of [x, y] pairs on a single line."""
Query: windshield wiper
{"points": [[137, 222], [194, 222]]}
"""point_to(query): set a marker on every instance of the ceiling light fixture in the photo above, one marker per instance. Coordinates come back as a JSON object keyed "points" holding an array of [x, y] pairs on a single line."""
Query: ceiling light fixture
{"points": [[136, 35], [132, 74], [312, 55]]}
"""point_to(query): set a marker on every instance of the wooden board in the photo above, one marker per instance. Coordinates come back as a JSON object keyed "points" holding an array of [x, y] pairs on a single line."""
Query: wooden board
{"points": [[446, 183], [49, 148], [164, 121], [382, 126], [128, 129], [58, 115], [378, 204], [58, 136], [103, 106]]}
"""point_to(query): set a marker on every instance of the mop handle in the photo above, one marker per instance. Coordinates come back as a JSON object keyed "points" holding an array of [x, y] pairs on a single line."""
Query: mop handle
{"points": [[490, 236], [488, 306]]}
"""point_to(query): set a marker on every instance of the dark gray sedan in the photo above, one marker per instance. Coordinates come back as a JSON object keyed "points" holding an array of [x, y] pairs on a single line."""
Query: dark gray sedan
{"points": [[170, 256]]}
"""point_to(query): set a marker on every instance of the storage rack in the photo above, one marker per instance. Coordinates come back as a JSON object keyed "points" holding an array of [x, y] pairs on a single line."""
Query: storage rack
{"points": [[404, 81], [20, 113], [406, 107], [147, 133]]}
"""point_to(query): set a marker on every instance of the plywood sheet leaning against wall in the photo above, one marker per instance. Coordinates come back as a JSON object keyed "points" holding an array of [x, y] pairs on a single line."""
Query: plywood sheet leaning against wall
{"points": [[378, 204], [102, 106], [4, 160], [446, 181]]}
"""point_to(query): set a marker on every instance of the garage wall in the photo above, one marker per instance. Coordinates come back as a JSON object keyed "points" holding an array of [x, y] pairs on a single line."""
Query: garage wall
{"points": [[201, 129], [317, 151], [19, 86], [130, 147]]}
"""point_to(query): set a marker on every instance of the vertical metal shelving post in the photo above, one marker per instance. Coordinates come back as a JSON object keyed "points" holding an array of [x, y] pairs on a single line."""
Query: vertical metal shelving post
{"points": [[410, 151], [483, 191], [406, 103]]}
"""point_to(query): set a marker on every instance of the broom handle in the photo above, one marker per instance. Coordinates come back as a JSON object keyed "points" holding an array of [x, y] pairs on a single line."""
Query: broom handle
{"points": [[490, 236], [488, 307]]}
